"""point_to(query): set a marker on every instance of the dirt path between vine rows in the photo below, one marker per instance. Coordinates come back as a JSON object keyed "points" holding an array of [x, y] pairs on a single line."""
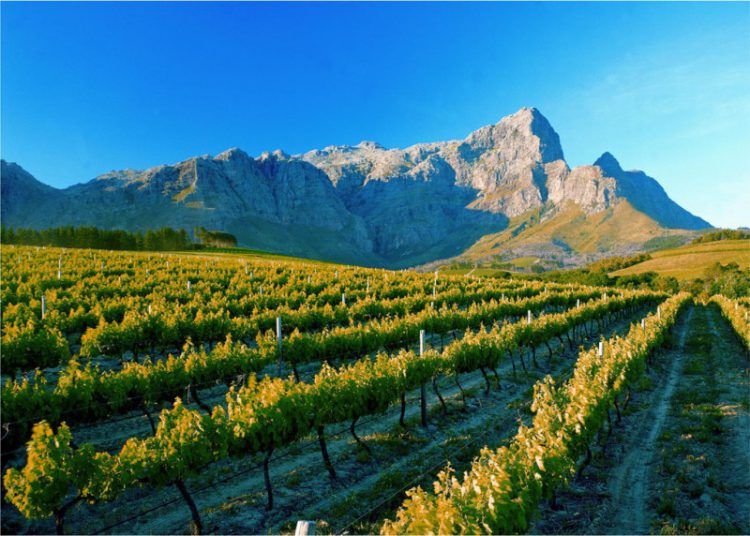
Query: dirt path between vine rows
{"points": [[679, 461], [629, 484]]}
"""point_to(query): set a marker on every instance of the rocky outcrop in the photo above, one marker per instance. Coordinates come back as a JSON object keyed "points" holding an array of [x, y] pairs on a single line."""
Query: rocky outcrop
{"points": [[362, 203], [585, 186]]}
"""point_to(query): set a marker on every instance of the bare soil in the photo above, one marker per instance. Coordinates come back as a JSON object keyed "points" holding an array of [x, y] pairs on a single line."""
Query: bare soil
{"points": [[679, 461]]}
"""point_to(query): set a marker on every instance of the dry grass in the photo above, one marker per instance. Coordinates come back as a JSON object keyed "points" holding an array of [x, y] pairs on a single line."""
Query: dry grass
{"points": [[612, 228], [691, 261]]}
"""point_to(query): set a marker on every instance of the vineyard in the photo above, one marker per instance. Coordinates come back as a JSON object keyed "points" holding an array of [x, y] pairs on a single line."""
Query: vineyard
{"points": [[172, 393]]}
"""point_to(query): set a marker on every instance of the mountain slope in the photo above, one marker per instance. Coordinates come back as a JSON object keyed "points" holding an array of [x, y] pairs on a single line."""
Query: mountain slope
{"points": [[569, 235], [647, 195], [370, 205]]}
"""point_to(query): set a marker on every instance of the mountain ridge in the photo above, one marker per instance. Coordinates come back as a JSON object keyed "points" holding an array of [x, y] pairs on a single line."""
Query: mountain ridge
{"points": [[360, 204]]}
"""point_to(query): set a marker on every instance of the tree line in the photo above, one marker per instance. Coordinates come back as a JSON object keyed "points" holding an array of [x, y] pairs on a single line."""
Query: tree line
{"points": [[164, 239], [723, 234]]}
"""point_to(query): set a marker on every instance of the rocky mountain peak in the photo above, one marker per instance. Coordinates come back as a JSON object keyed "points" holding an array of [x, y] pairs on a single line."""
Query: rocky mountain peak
{"points": [[609, 164], [235, 153], [524, 134], [372, 145], [278, 154]]}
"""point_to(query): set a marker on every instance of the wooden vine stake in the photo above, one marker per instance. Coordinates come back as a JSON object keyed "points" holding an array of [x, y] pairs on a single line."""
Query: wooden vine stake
{"points": [[423, 387]]}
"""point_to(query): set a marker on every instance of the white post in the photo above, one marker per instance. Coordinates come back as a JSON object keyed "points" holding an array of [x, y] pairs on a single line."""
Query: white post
{"points": [[343, 299], [278, 339], [658, 312], [368, 285], [188, 285], [601, 348], [305, 528], [149, 308], [643, 323], [44, 307], [336, 273], [578, 302], [434, 286], [261, 290], [528, 316], [421, 342]]}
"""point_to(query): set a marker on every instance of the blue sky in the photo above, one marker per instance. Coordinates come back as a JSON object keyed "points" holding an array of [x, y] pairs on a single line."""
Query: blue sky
{"points": [[87, 88]]}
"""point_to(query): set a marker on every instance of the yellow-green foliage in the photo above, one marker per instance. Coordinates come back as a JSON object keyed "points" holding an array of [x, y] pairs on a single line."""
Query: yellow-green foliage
{"points": [[501, 490]]}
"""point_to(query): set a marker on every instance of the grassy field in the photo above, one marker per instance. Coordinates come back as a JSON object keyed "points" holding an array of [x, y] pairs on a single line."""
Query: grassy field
{"points": [[691, 261], [520, 264], [251, 254]]}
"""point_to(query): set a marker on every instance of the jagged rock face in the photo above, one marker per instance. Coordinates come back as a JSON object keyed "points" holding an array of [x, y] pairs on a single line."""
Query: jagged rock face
{"points": [[502, 163], [274, 192], [586, 186], [363, 203]]}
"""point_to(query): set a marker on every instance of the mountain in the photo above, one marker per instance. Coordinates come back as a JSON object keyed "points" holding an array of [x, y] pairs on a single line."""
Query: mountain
{"points": [[370, 205]]}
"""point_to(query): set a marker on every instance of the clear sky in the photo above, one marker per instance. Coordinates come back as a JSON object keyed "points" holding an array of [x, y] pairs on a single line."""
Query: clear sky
{"points": [[88, 87]]}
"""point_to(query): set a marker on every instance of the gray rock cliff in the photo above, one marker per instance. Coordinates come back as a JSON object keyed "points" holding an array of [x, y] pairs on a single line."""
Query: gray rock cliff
{"points": [[359, 204]]}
